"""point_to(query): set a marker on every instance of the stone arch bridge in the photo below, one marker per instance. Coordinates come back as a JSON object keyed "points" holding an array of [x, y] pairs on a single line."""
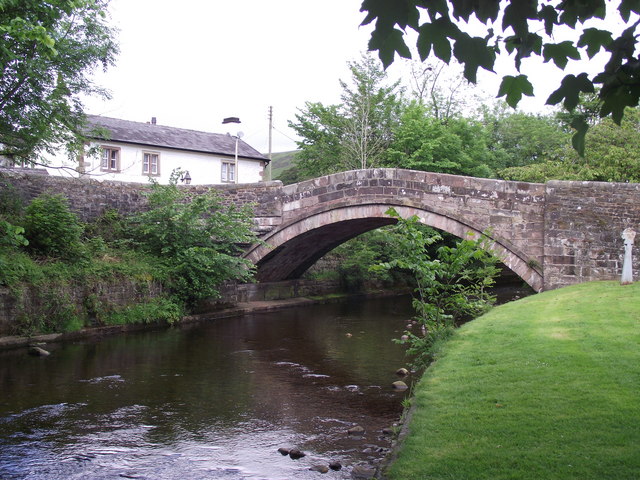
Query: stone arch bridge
{"points": [[551, 235]]}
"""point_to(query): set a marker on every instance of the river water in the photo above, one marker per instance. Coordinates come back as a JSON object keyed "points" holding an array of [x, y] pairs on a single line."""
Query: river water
{"points": [[212, 400]]}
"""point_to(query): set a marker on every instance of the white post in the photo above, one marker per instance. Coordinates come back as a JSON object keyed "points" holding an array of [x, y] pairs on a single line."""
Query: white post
{"points": [[628, 236]]}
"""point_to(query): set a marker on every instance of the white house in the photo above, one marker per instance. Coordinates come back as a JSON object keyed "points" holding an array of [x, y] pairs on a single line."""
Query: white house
{"points": [[134, 151]]}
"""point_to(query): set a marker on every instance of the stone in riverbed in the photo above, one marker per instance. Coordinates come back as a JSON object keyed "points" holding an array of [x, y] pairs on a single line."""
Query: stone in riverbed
{"points": [[319, 468], [295, 454], [283, 451], [38, 352], [400, 385], [402, 372], [361, 472], [357, 430], [335, 466]]}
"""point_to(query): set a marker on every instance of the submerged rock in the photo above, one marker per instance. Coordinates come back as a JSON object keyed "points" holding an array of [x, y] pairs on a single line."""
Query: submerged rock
{"points": [[357, 430], [295, 454], [402, 372], [361, 472], [38, 352], [319, 468], [400, 385], [335, 466]]}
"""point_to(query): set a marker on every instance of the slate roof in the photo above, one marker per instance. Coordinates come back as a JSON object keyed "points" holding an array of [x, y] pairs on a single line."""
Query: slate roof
{"points": [[154, 135]]}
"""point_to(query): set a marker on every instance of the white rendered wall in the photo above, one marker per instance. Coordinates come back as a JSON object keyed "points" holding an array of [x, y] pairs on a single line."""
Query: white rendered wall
{"points": [[204, 169]]}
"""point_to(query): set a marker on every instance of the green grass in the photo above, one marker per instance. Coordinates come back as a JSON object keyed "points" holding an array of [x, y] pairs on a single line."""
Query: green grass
{"points": [[547, 387]]}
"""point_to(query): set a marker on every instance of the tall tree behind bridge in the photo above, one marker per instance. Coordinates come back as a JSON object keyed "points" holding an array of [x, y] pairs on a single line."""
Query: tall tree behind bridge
{"points": [[48, 51], [525, 29], [354, 134]]}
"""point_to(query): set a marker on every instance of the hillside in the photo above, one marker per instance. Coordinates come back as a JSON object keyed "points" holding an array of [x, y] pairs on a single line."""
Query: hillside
{"points": [[280, 162]]}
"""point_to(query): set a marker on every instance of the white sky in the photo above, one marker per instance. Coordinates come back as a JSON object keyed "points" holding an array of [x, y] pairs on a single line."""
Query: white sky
{"points": [[193, 63]]}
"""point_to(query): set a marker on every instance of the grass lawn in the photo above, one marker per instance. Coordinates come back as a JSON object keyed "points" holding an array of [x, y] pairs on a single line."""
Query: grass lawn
{"points": [[547, 387]]}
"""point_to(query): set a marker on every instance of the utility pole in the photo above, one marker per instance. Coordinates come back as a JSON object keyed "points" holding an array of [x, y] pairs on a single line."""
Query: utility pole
{"points": [[268, 172]]}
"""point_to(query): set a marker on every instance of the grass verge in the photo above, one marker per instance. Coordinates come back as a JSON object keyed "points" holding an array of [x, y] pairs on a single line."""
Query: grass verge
{"points": [[547, 387]]}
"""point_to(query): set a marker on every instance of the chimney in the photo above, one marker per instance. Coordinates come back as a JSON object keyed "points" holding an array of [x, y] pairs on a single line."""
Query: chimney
{"points": [[153, 120]]}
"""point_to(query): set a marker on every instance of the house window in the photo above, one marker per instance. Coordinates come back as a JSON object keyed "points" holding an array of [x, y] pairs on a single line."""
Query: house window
{"points": [[151, 164], [110, 159], [228, 172]]}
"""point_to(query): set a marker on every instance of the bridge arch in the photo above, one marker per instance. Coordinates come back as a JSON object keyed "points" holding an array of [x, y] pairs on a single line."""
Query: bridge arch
{"points": [[293, 247]]}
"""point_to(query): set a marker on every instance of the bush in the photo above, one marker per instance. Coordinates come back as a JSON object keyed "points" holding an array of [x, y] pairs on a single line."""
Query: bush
{"points": [[17, 267], [52, 229], [451, 285], [198, 241], [156, 310]]}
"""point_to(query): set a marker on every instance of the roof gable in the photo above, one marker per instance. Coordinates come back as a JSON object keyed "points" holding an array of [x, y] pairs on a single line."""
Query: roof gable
{"points": [[155, 135]]}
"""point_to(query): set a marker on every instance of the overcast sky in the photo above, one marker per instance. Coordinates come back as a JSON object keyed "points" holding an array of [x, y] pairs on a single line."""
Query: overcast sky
{"points": [[194, 62]]}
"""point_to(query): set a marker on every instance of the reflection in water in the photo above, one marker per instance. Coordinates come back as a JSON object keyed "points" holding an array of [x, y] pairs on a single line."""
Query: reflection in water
{"points": [[208, 401]]}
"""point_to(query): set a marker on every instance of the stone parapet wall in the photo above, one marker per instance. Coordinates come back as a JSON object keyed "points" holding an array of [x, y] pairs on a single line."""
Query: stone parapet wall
{"points": [[584, 222], [90, 198], [552, 235]]}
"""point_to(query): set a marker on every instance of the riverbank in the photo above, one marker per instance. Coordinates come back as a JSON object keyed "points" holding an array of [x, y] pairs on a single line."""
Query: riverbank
{"points": [[544, 387], [236, 310]]}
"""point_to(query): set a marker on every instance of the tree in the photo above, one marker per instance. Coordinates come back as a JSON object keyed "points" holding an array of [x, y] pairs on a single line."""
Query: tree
{"points": [[441, 88], [355, 133], [612, 154], [48, 51], [424, 142], [518, 139], [519, 33]]}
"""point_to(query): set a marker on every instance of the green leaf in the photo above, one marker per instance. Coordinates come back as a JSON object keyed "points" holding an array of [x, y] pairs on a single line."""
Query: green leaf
{"points": [[436, 34], [628, 6], [525, 46], [403, 13], [578, 139], [516, 15], [617, 99], [570, 89], [484, 10], [473, 52], [549, 16], [560, 53], [388, 43], [574, 10], [595, 39], [514, 88], [436, 9]]}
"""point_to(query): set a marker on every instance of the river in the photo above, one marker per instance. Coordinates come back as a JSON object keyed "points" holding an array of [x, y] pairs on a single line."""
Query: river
{"points": [[212, 400]]}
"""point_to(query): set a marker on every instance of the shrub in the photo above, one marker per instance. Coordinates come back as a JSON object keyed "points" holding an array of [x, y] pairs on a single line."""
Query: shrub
{"points": [[156, 310], [450, 285], [17, 267], [51, 228], [198, 240]]}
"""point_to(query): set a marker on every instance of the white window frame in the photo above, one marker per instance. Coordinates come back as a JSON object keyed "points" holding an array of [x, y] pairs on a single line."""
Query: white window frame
{"points": [[228, 172], [148, 164], [110, 161]]}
